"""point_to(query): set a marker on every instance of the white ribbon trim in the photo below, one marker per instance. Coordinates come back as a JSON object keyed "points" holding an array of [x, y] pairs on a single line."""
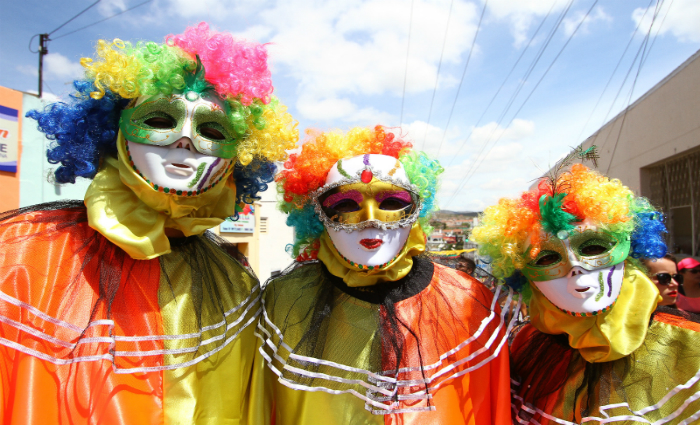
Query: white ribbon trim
{"points": [[112, 355], [381, 377]]}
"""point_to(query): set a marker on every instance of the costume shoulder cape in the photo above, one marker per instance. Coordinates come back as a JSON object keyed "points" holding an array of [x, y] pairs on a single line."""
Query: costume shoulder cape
{"points": [[429, 348], [658, 383], [89, 335]]}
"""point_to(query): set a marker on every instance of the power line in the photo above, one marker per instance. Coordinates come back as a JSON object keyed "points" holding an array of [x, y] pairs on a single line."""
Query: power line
{"points": [[459, 88], [30, 43], [622, 57], [493, 98], [523, 80], [481, 159], [624, 81], [102, 20], [437, 77], [510, 102], [471, 172], [405, 75], [636, 77], [84, 10]]}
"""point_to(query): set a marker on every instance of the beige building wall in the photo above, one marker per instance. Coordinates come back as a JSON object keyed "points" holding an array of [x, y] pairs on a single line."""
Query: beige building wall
{"points": [[653, 147]]}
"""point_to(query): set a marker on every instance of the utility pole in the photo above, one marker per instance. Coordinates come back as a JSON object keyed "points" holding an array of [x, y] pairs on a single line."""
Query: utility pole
{"points": [[43, 50]]}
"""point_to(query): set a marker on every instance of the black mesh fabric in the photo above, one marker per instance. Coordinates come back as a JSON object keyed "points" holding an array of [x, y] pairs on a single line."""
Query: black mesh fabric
{"points": [[657, 382], [391, 344]]}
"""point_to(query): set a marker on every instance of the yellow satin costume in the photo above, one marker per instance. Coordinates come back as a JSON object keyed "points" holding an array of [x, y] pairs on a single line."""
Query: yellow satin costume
{"points": [[104, 319], [633, 364], [426, 348]]}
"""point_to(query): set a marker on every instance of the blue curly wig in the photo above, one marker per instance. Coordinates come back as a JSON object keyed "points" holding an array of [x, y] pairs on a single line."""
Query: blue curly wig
{"points": [[82, 131], [252, 179]]}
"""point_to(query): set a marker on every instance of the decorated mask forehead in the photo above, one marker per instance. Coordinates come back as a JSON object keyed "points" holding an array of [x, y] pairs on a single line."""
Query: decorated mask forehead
{"points": [[367, 191], [163, 120]]}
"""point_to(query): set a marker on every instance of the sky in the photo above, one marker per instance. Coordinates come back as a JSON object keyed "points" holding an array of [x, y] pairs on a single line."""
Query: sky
{"points": [[497, 90]]}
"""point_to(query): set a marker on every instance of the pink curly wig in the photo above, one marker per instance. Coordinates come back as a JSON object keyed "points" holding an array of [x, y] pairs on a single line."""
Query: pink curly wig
{"points": [[233, 66]]}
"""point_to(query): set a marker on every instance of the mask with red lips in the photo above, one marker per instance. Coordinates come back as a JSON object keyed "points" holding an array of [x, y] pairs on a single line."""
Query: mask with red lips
{"points": [[368, 206]]}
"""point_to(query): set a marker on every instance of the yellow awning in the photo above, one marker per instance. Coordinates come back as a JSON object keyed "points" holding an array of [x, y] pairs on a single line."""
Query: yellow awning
{"points": [[452, 253]]}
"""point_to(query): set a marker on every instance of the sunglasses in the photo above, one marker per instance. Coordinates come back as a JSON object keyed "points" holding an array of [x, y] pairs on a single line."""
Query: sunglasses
{"points": [[665, 278]]}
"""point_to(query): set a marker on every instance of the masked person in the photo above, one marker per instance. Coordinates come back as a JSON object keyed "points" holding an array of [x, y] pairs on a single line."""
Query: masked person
{"points": [[362, 328], [122, 310], [597, 349]]}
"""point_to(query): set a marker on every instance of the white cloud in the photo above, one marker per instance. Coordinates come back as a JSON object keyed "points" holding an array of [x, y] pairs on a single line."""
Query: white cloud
{"points": [[203, 9], [519, 129], [427, 137], [110, 7], [504, 184], [332, 108], [679, 18], [259, 33], [522, 14], [596, 15], [62, 68], [46, 97], [340, 49]]}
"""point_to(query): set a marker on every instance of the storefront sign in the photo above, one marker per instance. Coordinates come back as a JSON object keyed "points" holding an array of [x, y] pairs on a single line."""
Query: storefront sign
{"points": [[9, 136], [244, 224]]}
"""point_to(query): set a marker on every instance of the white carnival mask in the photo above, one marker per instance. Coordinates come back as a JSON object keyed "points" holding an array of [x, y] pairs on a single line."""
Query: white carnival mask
{"points": [[582, 273], [368, 207], [181, 143]]}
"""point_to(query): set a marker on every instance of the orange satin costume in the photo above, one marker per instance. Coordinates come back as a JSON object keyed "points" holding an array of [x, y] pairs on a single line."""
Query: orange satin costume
{"points": [[89, 335], [329, 352]]}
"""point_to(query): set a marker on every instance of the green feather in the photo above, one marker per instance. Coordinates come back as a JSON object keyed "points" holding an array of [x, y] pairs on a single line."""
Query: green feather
{"points": [[554, 218], [195, 82]]}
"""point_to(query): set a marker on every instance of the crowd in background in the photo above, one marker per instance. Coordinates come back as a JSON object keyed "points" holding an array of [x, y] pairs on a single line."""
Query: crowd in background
{"points": [[678, 282]]}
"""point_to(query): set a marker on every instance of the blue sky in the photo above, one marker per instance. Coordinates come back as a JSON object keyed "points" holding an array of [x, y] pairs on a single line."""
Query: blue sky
{"points": [[341, 64]]}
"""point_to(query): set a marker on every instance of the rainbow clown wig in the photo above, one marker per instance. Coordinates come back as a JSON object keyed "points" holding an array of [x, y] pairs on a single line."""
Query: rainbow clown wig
{"points": [[306, 171], [200, 60], [511, 232]]}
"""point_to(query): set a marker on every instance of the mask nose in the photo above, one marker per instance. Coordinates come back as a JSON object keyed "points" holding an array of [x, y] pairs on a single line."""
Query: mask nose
{"points": [[575, 271], [370, 211], [184, 143]]}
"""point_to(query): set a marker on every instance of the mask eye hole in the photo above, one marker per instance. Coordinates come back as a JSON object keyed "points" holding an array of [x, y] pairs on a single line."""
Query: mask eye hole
{"points": [[393, 204], [549, 258], [211, 133], [594, 247], [346, 206], [161, 122], [593, 250]]}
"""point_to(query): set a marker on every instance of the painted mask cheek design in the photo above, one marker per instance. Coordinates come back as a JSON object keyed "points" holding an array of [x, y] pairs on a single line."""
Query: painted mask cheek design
{"points": [[178, 171], [586, 293]]}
